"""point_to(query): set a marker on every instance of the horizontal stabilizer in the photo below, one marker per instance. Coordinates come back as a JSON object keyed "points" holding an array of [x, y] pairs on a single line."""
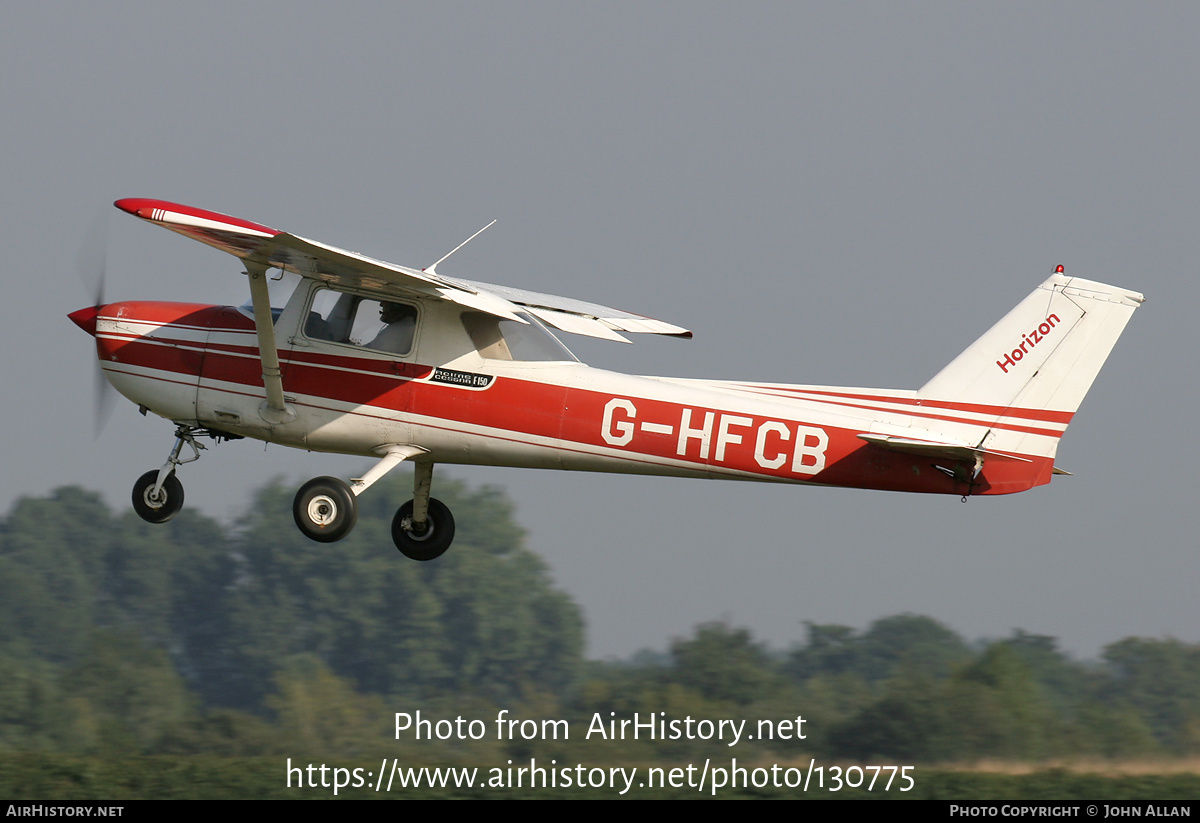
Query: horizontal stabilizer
{"points": [[933, 448]]}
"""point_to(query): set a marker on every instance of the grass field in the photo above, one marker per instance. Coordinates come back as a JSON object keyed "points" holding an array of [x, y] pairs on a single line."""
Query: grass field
{"points": [[57, 778]]}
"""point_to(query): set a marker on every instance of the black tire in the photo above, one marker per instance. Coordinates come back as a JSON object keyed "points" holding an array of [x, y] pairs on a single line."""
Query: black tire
{"points": [[325, 509], [158, 509], [436, 538]]}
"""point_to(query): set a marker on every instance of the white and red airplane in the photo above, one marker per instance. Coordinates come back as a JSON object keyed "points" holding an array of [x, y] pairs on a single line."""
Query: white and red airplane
{"points": [[383, 361]]}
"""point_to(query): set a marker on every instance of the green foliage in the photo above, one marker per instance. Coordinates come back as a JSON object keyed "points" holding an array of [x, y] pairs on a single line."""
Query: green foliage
{"points": [[119, 639], [319, 712], [1062, 681], [909, 688], [1113, 732], [1160, 679], [31, 707], [115, 633], [996, 709], [913, 640], [906, 724], [724, 664], [52, 573], [126, 698], [483, 618]]}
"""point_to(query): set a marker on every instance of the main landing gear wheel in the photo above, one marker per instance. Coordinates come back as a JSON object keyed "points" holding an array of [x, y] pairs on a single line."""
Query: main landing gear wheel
{"points": [[430, 543], [325, 509], [160, 506]]}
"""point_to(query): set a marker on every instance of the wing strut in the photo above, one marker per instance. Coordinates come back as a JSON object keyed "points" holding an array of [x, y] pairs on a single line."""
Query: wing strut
{"points": [[275, 409]]}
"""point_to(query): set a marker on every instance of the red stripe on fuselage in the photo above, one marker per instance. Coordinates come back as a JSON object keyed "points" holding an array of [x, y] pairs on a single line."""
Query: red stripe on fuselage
{"points": [[1041, 415]]}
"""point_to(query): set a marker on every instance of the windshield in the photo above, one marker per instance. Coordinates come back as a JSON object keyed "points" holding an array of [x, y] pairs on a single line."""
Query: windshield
{"points": [[279, 288], [498, 339]]}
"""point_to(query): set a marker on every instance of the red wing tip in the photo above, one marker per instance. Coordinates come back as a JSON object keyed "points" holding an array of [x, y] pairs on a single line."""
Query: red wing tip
{"points": [[137, 206], [159, 211]]}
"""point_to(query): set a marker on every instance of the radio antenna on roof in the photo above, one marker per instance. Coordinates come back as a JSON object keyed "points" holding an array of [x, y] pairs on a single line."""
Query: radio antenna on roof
{"points": [[433, 269]]}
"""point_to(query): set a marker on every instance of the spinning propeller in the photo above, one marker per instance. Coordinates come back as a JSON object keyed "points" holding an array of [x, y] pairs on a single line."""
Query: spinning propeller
{"points": [[92, 269]]}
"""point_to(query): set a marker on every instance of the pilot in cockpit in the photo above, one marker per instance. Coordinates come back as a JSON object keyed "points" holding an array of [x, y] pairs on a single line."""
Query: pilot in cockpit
{"points": [[397, 336]]}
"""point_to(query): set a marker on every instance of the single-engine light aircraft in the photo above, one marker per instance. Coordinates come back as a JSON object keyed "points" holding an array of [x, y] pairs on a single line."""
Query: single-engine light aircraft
{"points": [[400, 364]]}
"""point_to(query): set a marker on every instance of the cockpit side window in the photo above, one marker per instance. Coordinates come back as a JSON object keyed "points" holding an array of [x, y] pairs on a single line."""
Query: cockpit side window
{"points": [[355, 320], [498, 339]]}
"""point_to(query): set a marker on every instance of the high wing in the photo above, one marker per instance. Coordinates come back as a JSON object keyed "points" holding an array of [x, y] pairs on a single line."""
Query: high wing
{"points": [[264, 246]]}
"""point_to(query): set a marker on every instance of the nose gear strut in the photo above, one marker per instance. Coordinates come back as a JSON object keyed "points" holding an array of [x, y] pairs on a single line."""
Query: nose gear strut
{"points": [[158, 494]]}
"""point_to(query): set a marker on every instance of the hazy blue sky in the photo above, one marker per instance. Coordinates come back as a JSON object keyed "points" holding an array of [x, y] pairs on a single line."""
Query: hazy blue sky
{"points": [[837, 193]]}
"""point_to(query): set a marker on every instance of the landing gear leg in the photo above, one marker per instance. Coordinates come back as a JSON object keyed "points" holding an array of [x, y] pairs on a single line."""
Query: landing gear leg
{"points": [[422, 486], [158, 495], [423, 528]]}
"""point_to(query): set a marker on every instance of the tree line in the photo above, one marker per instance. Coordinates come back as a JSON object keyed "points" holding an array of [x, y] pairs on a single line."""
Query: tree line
{"points": [[245, 639]]}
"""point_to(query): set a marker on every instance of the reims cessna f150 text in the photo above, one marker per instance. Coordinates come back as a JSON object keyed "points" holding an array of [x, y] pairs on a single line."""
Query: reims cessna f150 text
{"points": [[383, 361]]}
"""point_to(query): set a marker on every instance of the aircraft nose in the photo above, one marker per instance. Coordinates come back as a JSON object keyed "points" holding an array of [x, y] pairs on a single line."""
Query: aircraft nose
{"points": [[86, 319]]}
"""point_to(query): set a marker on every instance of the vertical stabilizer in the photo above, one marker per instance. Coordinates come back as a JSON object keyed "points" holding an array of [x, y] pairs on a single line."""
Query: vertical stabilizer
{"points": [[1028, 374], [1045, 353]]}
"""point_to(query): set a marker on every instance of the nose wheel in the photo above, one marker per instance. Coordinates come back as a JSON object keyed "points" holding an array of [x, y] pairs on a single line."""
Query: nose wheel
{"points": [[158, 494], [156, 503]]}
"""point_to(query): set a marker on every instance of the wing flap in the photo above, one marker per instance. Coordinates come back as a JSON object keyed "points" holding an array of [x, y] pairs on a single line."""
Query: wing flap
{"points": [[613, 319], [647, 325], [576, 324]]}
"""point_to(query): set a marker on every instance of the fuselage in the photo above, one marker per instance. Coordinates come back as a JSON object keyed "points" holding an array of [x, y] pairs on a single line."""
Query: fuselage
{"points": [[400, 364], [200, 365]]}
